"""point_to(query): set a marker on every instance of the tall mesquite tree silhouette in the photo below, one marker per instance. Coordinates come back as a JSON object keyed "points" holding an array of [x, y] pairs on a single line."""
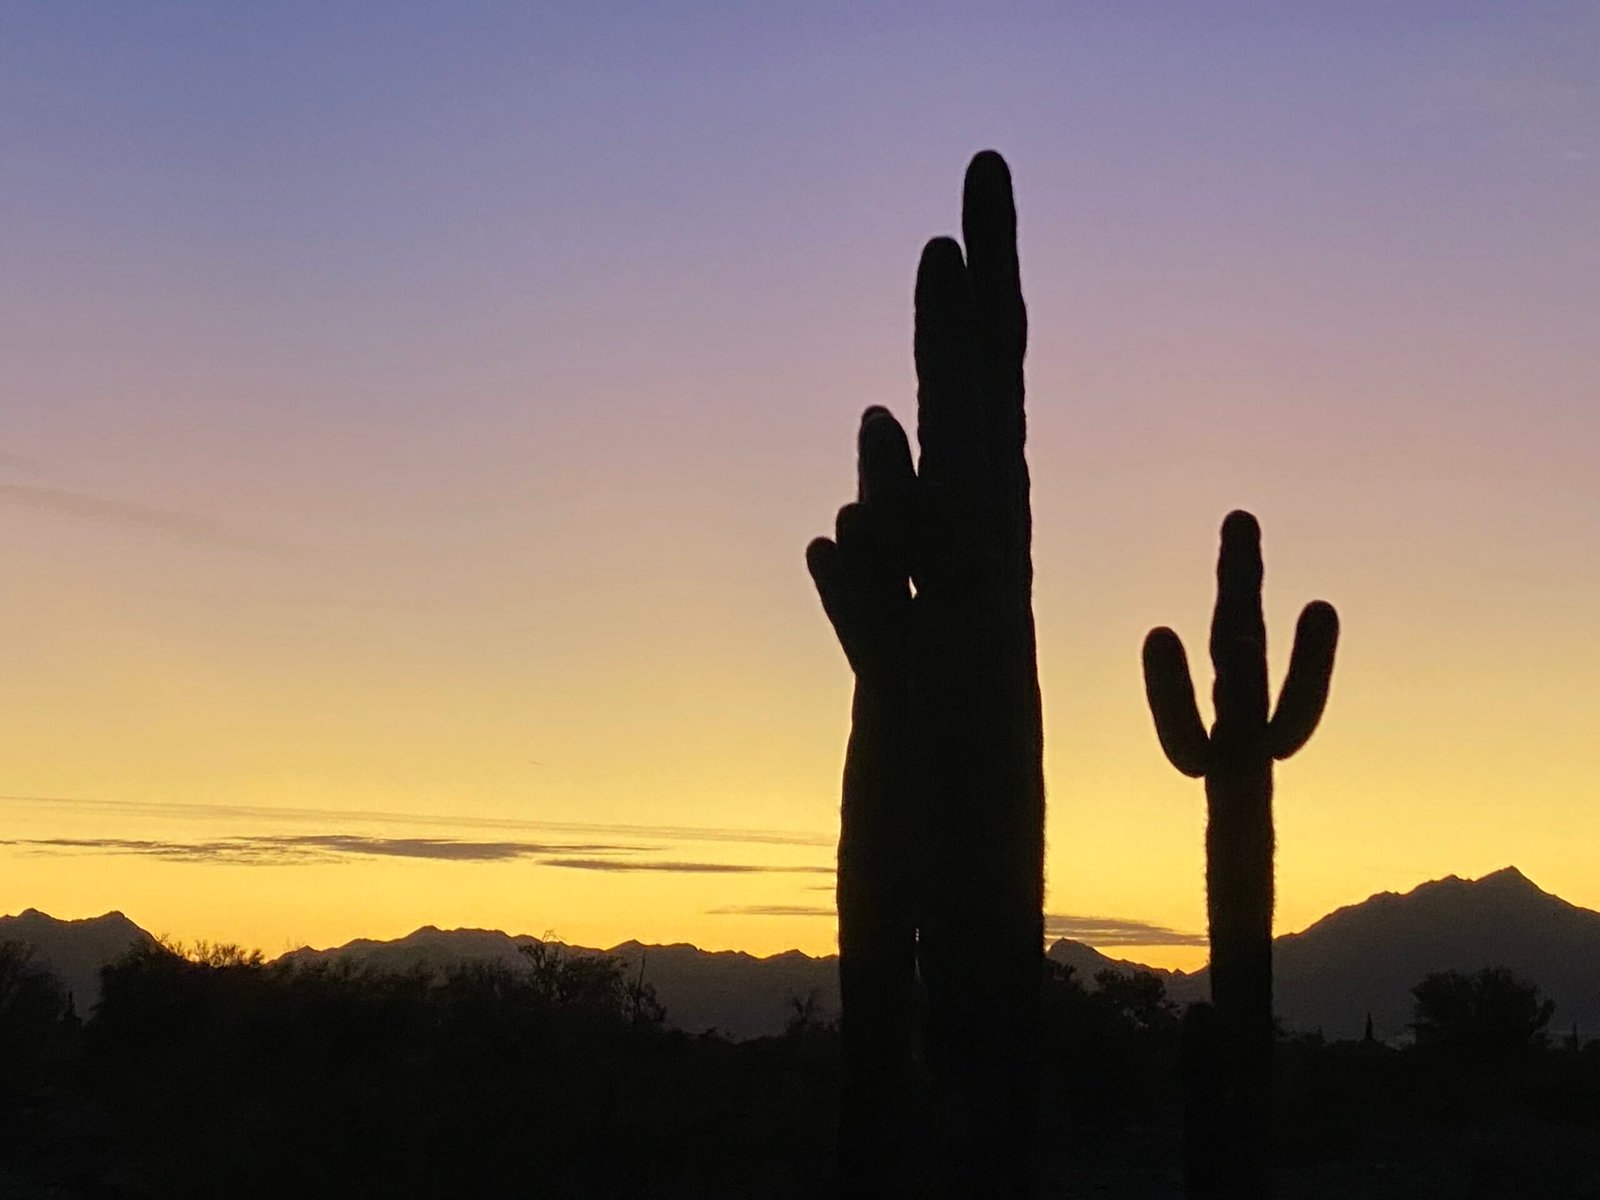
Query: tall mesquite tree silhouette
{"points": [[1232, 1073], [941, 853]]}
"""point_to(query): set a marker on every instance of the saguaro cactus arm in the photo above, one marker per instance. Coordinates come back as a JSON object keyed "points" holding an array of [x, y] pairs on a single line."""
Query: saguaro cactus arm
{"points": [[1170, 691], [1305, 687], [1238, 651], [861, 574]]}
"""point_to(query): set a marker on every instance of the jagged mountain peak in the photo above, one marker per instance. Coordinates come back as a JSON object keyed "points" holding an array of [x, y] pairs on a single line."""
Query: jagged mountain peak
{"points": [[1506, 893], [75, 949], [1368, 956], [1511, 878], [114, 918]]}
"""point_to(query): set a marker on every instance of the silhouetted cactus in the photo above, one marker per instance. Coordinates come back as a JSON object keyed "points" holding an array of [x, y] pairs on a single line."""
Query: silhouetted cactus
{"points": [[942, 828], [863, 579], [1236, 762], [975, 707]]}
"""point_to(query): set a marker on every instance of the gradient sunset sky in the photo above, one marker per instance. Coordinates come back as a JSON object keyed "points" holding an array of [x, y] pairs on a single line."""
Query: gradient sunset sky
{"points": [[412, 417]]}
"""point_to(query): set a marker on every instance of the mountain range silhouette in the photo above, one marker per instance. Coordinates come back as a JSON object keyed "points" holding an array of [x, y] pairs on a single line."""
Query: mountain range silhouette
{"points": [[1358, 960]]}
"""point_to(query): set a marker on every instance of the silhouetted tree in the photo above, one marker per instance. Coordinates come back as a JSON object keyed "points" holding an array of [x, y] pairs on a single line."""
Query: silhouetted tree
{"points": [[34, 1006], [215, 954], [639, 995], [30, 995], [807, 1017], [1490, 1012], [1236, 762], [1137, 997], [592, 983], [942, 823], [1108, 1045]]}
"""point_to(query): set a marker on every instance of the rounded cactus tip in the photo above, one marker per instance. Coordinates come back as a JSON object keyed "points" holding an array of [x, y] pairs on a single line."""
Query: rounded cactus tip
{"points": [[1240, 526], [989, 161], [1161, 640], [1321, 612], [941, 253], [821, 554], [880, 437]]}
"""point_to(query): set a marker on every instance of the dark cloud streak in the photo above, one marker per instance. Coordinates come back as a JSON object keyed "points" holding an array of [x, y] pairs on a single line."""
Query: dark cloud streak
{"points": [[298, 849], [1095, 931], [307, 848], [1116, 931]]}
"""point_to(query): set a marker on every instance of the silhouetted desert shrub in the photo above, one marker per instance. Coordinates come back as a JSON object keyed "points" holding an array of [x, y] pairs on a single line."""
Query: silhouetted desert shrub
{"points": [[552, 1077], [208, 1073], [1111, 1049]]}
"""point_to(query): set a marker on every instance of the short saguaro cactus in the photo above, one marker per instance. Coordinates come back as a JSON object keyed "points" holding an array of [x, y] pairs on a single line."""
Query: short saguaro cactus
{"points": [[1230, 1156]]}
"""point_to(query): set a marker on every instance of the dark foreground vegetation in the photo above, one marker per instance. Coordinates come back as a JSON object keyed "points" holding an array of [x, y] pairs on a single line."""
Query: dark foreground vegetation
{"points": [[210, 1074]]}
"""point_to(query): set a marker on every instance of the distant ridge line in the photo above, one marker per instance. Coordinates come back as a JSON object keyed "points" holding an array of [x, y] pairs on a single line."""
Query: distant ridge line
{"points": [[1357, 959]]}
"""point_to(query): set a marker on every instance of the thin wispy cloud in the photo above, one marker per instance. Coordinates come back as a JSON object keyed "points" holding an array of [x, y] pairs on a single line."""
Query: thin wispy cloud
{"points": [[694, 868], [324, 816], [1116, 931], [772, 910], [165, 521], [241, 850], [685, 833]]}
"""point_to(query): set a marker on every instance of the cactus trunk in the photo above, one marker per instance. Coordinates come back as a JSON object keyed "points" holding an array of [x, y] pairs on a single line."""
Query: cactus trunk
{"points": [[877, 949], [982, 933], [1239, 896]]}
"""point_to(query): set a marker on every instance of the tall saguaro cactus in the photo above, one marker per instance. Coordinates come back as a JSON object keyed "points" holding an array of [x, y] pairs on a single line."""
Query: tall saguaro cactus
{"points": [[941, 851], [976, 719], [1236, 760]]}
